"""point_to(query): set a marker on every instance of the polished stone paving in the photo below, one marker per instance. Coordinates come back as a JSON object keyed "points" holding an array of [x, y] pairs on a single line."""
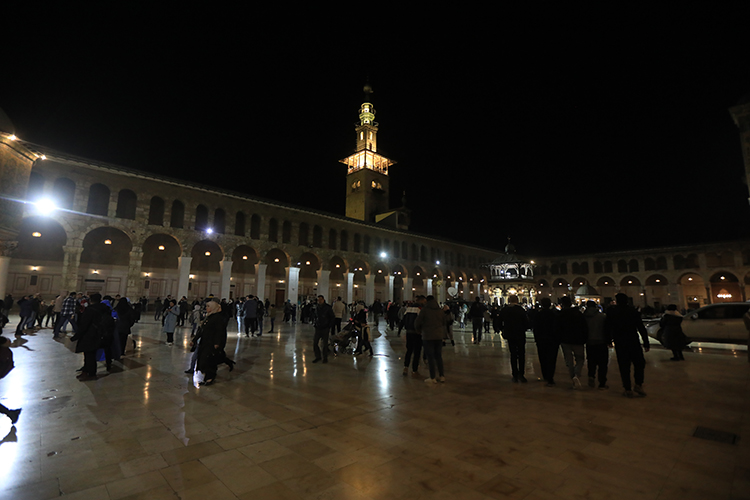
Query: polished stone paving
{"points": [[280, 427]]}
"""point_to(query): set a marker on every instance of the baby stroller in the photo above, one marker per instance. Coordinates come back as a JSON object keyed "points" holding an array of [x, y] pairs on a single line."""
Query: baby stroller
{"points": [[346, 341]]}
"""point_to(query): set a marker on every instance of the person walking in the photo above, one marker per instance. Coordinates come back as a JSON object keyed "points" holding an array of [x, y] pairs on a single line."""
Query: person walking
{"points": [[547, 340], [413, 338], [323, 321], [674, 337], [95, 323], [514, 322], [573, 332], [431, 324], [67, 314], [597, 345], [170, 320], [476, 313], [623, 325], [250, 309], [211, 339], [339, 311]]}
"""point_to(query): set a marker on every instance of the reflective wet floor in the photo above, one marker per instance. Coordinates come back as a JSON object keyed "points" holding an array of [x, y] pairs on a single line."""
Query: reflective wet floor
{"points": [[281, 427]]}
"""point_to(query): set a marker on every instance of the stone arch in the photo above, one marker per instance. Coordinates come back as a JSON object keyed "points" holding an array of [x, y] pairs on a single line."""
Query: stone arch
{"points": [[380, 271], [693, 290], [160, 251], [578, 282], [156, 211], [317, 236], [255, 226], [544, 287], [64, 192], [308, 264], [201, 218], [106, 245], [725, 287], [344, 241], [338, 267], [656, 280], [177, 215], [239, 223], [244, 258], [630, 281], [399, 270], [127, 201], [605, 281], [303, 238], [207, 256], [41, 239], [98, 202], [220, 221], [332, 239], [35, 189], [277, 261]]}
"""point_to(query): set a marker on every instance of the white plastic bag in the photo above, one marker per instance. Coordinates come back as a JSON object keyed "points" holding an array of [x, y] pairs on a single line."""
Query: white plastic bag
{"points": [[198, 377]]}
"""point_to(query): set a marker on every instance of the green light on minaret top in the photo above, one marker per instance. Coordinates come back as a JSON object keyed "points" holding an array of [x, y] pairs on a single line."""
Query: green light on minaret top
{"points": [[367, 114]]}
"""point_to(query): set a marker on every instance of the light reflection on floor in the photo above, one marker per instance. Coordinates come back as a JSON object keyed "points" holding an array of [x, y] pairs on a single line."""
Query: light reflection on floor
{"points": [[279, 427]]}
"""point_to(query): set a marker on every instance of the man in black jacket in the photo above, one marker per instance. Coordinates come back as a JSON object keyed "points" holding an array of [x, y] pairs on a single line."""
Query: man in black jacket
{"points": [[323, 322], [573, 332], [623, 325], [514, 322], [547, 340], [96, 318]]}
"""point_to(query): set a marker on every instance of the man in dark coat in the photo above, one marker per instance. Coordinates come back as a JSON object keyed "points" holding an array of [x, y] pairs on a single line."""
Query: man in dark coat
{"points": [[514, 322], [91, 330], [323, 322], [573, 331], [547, 340], [623, 325]]}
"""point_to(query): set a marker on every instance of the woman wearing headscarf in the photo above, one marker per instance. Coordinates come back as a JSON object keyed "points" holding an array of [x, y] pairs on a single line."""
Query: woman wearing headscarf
{"points": [[171, 313], [211, 339]]}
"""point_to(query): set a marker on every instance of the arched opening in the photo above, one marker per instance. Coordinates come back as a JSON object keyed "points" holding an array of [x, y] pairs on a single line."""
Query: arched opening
{"points": [[304, 237], [177, 217], [106, 246], [126, 204], [161, 254], [239, 224], [201, 218], [332, 239], [156, 212], [286, 232], [220, 221], [64, 193], [40, 239], [255, 227], [725, 287], [98, 203], [344, 243], [273, 230], [35, 189]]}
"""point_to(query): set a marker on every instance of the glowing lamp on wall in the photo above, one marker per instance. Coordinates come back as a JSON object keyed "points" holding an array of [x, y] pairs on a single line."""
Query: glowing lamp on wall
{"points": [[161, 248], [244, 257], [36, 234], [276, 260], [207, 254], [107, 242]]}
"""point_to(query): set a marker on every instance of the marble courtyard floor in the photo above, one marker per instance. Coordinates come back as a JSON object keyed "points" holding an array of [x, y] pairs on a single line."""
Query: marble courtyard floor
{"points": [[279, 427]]}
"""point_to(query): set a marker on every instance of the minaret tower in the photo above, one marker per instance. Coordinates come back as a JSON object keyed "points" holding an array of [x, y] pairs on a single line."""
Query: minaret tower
{"points": [[367, 174]]}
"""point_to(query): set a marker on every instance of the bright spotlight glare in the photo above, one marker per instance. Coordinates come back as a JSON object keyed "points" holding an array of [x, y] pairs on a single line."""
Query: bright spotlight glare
{"points": [[45, 206], [210, 231], [383, 255]]}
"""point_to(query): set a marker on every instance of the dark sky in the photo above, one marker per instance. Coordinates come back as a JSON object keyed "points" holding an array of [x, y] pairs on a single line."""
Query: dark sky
{"points": [[570, 131]]}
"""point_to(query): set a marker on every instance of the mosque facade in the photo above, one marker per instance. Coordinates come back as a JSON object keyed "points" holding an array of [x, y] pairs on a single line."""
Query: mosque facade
{"points": [[69, 223]]}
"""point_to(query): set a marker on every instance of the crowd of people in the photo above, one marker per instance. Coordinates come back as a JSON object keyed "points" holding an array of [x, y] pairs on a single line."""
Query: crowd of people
{"points": [[102, 326]]}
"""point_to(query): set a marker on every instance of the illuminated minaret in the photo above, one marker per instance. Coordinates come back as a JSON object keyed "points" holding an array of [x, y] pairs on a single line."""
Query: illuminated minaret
{"points": [[367, 174]]}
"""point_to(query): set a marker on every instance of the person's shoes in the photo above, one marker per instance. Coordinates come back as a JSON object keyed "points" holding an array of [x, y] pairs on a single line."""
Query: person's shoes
{"points": [[592, 382], [405, 372], [522, 379], [576, 383], [316, 360], [231, 364], [628, 394], [453, 343], [639, 390], [188, 371], [168, 343], [430, 381], [80, 369], [441, 379], [416, 375], [674, 359], [603, 387]]}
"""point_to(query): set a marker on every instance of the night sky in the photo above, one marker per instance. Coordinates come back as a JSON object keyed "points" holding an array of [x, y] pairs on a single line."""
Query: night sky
{"points": [[574, 132]]}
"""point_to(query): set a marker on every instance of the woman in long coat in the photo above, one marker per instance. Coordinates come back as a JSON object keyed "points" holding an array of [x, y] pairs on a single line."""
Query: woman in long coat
{"points": [[672, 335], [211, 339], [170, 320]]}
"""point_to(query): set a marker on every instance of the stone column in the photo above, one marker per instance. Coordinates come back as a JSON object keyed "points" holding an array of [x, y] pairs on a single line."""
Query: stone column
{"points": [[226, 279], [477, 289], [184, 276], [389, 287], [349, 288], [4, 266], [408, 293], [455, 285], [324, 284], [133, 289], [370, 290], [708, 293], [260, 281], [429, 288], [292, 284], [71, 261]]}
